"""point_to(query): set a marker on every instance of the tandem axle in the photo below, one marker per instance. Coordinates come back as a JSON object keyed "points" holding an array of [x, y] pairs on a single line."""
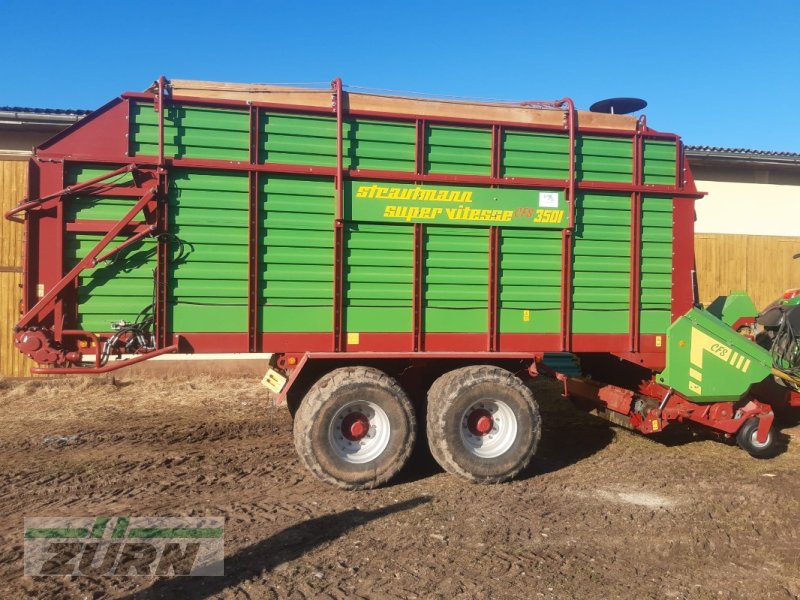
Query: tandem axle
{"points": [[345, 404]]}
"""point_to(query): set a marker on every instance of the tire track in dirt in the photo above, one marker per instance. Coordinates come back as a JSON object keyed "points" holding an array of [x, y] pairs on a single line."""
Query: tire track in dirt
{"points": [[575, 524]]}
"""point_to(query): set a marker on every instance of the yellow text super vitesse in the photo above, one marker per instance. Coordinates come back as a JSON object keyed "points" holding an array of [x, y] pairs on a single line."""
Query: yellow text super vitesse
{"points": [[449, 213]]}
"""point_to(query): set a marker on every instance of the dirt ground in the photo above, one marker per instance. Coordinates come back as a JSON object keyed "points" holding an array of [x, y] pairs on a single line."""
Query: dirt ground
{"points": [[601, 512]]}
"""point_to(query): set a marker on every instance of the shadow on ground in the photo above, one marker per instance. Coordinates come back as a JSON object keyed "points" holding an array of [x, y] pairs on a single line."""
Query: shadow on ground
{"points": [[286, 545], [569, 435]]}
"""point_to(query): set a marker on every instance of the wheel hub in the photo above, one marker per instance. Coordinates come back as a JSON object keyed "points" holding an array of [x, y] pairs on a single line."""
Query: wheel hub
{"points": [[355, 426], [359, 432], [480, 422], [488, 428]]}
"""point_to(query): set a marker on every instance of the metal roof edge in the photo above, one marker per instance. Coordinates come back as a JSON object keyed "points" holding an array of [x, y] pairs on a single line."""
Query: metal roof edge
{"points": [[20, 116], [742, 155]]}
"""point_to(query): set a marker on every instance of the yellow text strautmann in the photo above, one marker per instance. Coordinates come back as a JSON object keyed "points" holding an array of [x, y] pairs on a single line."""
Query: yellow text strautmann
{"points": [[418, 193]]}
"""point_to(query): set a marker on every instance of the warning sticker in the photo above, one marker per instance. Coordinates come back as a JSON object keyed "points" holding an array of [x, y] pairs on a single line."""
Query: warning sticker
{"points": [[548, 200]]}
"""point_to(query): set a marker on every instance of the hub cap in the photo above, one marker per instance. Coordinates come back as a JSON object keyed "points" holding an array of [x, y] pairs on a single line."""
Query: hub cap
{"points": [[359, 432], [488, 428], [355, 426]]}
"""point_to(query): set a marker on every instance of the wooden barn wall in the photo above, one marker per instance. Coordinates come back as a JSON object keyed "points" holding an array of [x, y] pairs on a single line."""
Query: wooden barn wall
{"points": [[760, 265], [12, 189]]}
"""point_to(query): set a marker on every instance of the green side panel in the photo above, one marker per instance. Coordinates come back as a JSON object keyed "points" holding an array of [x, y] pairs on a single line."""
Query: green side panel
{"points": [[311, 140], [98, 208], [379, 275], [659, 162], [296, 248], [604, 159], [540, 155], [529, 297], [297, 139], [656, 282], [458, 151], [84, 172], [709, 362], [191, 132], [380, 145], [456, 279], [601, 263], [208, 212], [117, 289]]}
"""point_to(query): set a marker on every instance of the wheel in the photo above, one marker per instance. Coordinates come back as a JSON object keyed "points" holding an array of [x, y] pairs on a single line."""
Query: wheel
{"points": [[355, 428], [747, 439], [483, 424]]}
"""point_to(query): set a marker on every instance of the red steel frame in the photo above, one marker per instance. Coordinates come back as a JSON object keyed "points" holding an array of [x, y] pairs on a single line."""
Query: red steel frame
{"points": [[494, 268], [567, 234], [635, 301], [338, 225], [254, 233], [81, 144], [723, 417]]}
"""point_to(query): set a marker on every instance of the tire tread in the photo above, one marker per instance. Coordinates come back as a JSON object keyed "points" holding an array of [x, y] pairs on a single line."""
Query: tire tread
{"points": [[444, 390], [316, 398]]}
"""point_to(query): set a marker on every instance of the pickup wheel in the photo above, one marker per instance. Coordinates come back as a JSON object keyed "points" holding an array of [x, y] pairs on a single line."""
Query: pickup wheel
{"points": [[747, 438], [483, 424], [355, 428]]}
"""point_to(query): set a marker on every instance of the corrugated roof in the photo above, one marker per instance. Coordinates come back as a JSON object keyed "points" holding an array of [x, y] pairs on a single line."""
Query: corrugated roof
{"points": [[742, 152], [73, 112]]}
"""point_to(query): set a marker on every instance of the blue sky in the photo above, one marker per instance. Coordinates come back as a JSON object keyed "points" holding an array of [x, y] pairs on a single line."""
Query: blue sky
{"points": [[724, 73]]}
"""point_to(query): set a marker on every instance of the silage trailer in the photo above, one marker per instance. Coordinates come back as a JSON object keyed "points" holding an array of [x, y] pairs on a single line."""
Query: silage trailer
{"points": [[407, 261]]}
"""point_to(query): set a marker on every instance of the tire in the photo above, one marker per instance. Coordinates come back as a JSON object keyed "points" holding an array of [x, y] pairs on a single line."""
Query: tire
{"points": [[355, 428], [746, 439], [483, 424]]}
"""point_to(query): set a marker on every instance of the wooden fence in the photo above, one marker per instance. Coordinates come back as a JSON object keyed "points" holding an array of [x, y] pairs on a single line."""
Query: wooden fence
{"points": [[12, 189], [760, 265]]}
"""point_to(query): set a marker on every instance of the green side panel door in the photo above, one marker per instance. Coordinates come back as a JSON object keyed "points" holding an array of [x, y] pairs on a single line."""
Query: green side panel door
{"points": [[297, 139], [379, 274], [709, 362], [77, 173], [311, 140], [380, 145], [604, 159], [296, 254], [529, 293], [191, 132], [208, 215], [659, 162], [601, 263], [656, 281], [117, 289], [458, 151], [455, 297], [542, 155]]}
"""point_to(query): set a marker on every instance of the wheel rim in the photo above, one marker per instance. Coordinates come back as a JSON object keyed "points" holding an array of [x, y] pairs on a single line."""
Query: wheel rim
{"points": [[488, 428], [754, 440], [359, 432]]}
